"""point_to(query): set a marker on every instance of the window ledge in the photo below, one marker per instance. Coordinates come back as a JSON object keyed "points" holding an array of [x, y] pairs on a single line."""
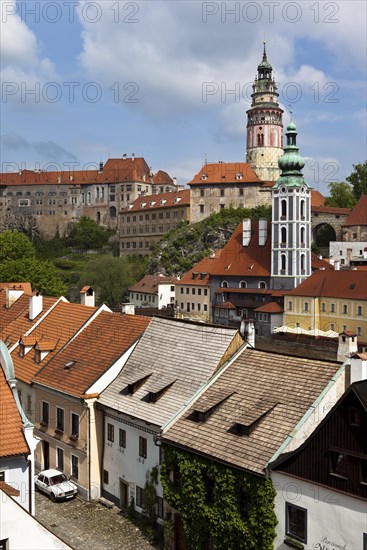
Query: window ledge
{"points": [[292, 543], [58, 431], [74, 437], [338, 476], [43, 424]]}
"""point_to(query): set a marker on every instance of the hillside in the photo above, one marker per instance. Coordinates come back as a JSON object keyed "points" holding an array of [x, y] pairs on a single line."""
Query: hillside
{"points": [[187, 244]]}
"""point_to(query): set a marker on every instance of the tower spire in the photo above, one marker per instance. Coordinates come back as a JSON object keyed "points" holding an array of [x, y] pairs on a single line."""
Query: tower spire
{"points": [[264, 54]]}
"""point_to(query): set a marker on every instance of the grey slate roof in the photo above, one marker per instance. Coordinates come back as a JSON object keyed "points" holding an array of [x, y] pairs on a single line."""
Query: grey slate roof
{"points": [[267, 393], [173, 357]]}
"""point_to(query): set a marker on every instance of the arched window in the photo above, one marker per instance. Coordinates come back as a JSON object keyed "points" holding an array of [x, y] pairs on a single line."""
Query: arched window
{"points": [[302, 262], [113, 212], [283, 262], [262, 284], [243, 284], [302, 208], [97, 189], [284, 208], [89, 197], [283, 235], [224, 284], [302, 235]]}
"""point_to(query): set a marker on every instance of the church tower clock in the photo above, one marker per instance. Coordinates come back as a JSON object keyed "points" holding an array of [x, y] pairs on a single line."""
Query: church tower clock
{"points": [[264, 125], [291, 219]]}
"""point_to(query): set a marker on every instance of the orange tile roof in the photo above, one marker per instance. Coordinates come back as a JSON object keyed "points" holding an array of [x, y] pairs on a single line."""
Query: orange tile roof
{"points": [[26, 287], [149, 283], [92, 352], [60, 324], [236, 260], [46, 345], [154, 202], [15, 321], [9, 490], [331, 210], [318, 263], [12, 440], [84, 289], [114, 170], [316, 198], [347, 284], [225, 172], [358, 216], [161, 177], [271, 307]]}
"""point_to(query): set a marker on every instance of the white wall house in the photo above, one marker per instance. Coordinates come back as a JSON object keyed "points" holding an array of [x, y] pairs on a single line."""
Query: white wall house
{"points": [[169, 364], [345, 252], [155, 291]]}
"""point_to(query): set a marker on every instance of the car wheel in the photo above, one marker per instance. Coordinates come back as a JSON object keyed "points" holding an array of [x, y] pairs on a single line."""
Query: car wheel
{"points": [[52, 497]]}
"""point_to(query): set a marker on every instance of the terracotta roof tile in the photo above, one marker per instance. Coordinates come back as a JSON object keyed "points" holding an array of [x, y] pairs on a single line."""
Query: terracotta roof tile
{"points": [[331, 210], [271, 307], [270, 391], [161, 177], [9, 490], [224, 173], [12, 440], [316, 198], [60, 324], [26, 287], [348, 284], [92, 352], [160, 200], [358, 216], [149, 283]]}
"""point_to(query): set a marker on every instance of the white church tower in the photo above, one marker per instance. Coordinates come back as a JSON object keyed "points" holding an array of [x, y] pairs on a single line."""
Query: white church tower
{"points": [[291, 219]]}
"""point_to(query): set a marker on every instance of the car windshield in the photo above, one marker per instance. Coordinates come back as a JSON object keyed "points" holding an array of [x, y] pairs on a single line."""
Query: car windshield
{"points": [[58, 479]]}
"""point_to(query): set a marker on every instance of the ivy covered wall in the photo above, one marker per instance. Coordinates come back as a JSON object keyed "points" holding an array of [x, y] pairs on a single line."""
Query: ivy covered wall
{"points": [[231, 508]]}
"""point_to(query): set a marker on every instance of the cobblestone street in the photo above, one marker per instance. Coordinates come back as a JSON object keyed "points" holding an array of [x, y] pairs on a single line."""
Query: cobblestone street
{"points": [[84, 525]]}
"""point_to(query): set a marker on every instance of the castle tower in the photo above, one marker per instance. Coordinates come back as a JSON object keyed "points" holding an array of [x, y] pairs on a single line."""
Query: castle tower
{"points": [[291, 223], [264, 125]]}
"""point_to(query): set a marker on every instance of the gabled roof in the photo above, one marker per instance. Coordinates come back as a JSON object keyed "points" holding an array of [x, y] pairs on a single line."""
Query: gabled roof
{"points": [[182, 354], [271, 307], [225, 173], [349, 284], [162, 178], [26, 287], [60, 325], [270, 392], [149, 283], [169, 199], [358, 216], [316, 198], [84, 360], [12, 440], [234, 259]]}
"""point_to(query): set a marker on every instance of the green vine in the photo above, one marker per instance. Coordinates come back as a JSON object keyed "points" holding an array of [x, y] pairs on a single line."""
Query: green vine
{"points": [[232, 508]]}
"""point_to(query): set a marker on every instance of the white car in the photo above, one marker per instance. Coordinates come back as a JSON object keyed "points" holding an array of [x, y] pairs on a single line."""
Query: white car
{"points": [[56, 485]]}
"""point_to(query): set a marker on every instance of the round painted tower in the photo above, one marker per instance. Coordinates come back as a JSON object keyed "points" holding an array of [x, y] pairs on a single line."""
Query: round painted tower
{"points": [[264, 125]]}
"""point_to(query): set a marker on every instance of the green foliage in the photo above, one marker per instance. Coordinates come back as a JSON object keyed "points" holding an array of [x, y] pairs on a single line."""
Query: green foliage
{"points": [[130, 512], [15, 246], [341, 195], [211, 500], [88, 235], [111, 277], [358, 179], [149, 516], [54, 248], [186, 245], [42, 275]]}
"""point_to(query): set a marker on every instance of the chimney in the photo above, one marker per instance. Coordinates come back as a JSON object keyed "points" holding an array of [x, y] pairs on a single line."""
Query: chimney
{"points": [[100, 167], [365, 253], [263, 230], [337, 265], [246, 232], [347, 345], [128, 309], [35, 305], [87, 296], [358, 367], [247, 331], [12, 295]]}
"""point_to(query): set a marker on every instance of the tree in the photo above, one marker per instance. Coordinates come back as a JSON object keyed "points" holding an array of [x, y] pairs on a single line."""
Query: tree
{"points": [[358, 179], [87, 234], [111, 277], [341, 195], [15, 246], [42, 275]]}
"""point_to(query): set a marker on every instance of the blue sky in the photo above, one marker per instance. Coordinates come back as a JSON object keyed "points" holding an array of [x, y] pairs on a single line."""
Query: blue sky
{"points": [[170, 81]]}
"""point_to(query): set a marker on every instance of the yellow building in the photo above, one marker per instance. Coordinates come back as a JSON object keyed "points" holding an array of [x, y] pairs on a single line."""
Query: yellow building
{"points": [[329, 300]]}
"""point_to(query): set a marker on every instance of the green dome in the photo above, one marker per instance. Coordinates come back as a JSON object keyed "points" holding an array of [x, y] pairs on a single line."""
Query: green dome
{"points": [[291, 162], [291, 126], [264, 65]]}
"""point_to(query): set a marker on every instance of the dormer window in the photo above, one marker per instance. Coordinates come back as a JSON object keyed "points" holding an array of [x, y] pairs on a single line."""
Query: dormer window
{"points": [[204, 177], [239, 176]]}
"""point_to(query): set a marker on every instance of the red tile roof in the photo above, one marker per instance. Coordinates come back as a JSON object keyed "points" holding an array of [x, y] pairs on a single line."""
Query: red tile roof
{"points": [[160, 200], [271, 307], [331, 210], [162, 178], [92, 352], [316, 198], [12, 440], [26, 287], [9, 490], [60, 324], [115, 170], [319, 263], [149, 283], [358, 216], [225, 172], [347, 284]]}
